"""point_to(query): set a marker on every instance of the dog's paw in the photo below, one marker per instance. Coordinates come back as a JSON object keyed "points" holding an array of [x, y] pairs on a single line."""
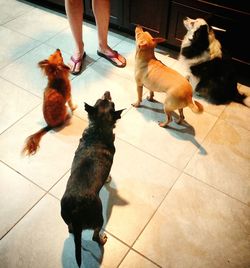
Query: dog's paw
{"points": [[108, 179], [151, 99], [136, 104], [103, 239], [163, 124], [74, 107]]}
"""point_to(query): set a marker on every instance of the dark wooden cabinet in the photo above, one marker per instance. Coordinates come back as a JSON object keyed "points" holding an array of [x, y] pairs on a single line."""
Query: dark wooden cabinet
{"points": [[153, 16], [232, 18], [116, 11]]}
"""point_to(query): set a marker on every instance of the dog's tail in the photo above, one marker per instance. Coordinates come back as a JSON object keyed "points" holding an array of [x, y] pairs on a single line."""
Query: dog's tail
{"points": [[32, 142], [243, 99], [195, 106], [77, 231]]}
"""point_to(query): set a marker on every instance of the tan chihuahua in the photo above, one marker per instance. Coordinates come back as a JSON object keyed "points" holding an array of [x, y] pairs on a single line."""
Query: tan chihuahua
{"points": [[156, 76]]}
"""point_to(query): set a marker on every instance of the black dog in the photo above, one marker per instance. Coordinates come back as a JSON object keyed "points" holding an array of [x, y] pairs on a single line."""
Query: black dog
{"points": [[81, 206], [201, 52]]}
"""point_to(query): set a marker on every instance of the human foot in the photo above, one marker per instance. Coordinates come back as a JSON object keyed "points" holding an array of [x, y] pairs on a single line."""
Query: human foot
{"points": [[75, 63], [113, 56]]}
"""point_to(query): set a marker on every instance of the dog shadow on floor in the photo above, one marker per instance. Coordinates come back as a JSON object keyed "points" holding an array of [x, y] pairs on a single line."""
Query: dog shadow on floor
{"points": [[92, 253], [154, 111]]}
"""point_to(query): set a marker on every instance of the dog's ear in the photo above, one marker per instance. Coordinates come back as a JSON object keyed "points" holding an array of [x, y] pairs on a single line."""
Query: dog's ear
{"points": [[63, 67], [44, 63], [142, 45], [117, 114], [89, 109], [201, 34], [158, 40]]}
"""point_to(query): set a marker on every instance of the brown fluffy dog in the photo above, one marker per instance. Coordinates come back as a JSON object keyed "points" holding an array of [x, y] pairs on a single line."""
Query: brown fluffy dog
{"points": [[56, 95], [156, 76]]}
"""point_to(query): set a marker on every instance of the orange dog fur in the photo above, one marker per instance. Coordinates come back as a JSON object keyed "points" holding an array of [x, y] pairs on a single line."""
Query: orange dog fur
{"points": [[56, 95], [156, 76]]}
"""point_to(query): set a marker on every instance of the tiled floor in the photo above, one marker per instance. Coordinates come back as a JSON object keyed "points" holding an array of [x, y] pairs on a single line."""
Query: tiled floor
{"points": [[179, 197]]}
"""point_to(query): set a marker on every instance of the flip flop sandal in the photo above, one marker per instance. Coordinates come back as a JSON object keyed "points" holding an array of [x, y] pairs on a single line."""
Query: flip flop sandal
{"points": [[80, 60], [111, 58]]}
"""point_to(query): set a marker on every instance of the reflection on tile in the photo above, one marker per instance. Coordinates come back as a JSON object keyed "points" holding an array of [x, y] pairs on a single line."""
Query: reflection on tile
{"points": [[13, 45], [56, 151], [91, 85], [11, 9], [175, 144], [17, 196], [89, 38], [226, 165], [14, 103], [38, 24], [199, 227], [134, 260], [120, 200], [27, 73]]}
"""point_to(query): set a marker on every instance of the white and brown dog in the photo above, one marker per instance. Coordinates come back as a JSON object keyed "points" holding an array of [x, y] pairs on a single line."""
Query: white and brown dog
{"points": [[156, 76], [212, 73]]}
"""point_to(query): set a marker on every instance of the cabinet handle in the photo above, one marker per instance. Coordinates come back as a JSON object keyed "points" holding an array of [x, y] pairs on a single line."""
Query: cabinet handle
{"points": [[218, 29]]}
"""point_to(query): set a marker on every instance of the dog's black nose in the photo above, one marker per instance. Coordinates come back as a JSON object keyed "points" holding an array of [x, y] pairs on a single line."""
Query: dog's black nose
{"points": [[107, 95]]}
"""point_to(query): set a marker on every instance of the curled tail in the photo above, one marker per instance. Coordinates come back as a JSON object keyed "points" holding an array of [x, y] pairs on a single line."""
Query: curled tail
{"points": [[77, 231], [195, 106], [32, 142]]}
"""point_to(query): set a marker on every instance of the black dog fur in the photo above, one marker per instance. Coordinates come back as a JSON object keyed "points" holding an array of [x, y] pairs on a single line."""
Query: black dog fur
{"points": [[81, 206], [217, 77]]}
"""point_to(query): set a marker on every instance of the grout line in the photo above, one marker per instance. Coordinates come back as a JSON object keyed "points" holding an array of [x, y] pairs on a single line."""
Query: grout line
{"points": [[27, 90], [20, 118], [23, 176], [23, 215], [145, 226], [140, 149], [217, 189]]}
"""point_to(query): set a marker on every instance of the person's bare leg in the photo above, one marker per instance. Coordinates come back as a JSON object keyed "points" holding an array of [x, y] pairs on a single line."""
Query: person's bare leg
{"points": [[101, 9], [74, 10]]}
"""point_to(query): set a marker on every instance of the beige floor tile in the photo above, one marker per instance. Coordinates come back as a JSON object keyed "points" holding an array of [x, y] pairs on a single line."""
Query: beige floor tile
{"points": [[27, 73], [13, 45], [237, 114], [56, 152], [14, 103], [11, 9], [134, 260], [17, 196], [91, 85], [197, 226], [175, 144], [38, 24], [226, 165], [133, 178]]}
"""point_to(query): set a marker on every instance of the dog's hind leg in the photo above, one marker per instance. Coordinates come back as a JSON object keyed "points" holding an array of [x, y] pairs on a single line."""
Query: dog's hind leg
{"points": [[139, 96], [168, 117], [181, 118], [108, 179], [151, 96], [101, 239], [71, 105]]}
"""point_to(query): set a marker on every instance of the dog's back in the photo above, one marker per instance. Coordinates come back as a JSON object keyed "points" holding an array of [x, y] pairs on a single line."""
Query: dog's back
{"points": [[81, 206]]}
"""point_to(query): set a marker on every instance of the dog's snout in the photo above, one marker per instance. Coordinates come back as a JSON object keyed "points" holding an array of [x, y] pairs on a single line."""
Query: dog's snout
{"points": [[107, 96]]}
